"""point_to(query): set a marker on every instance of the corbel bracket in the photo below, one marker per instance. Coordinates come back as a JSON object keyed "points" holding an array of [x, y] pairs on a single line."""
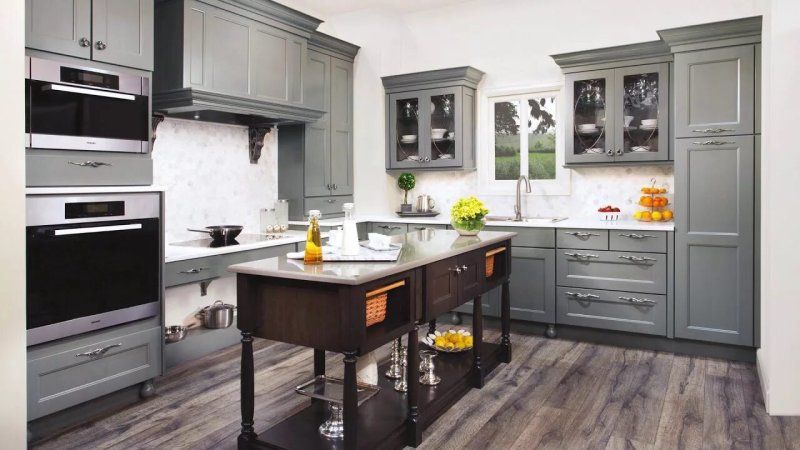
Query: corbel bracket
{"points": [[257, 134], [155, 121]]}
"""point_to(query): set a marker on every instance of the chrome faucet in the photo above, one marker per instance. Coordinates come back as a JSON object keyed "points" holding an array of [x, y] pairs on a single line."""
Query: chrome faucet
{"points": [[517, 205]]}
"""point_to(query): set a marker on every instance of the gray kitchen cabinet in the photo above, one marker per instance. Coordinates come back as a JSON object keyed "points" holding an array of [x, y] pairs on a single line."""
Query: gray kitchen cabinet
{"points": [[618, 271], [59, 26], [70, 371], [112, 31], [533, 284], [586, 239], [315, 160], [613, 310], [430, 119], [714, 239], [76, 168], [714, 91], [589, 121], [638, 241]]}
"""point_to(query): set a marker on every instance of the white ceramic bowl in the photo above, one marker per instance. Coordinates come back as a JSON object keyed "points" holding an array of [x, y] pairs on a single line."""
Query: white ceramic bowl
{"points": [[438, 133], [587, 127], [408, 137], [649, 122]]}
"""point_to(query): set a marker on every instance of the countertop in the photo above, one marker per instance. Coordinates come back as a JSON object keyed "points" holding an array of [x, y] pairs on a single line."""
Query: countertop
{"points": [[92, 189], [415, 253], [177, 252], [583, 223]]}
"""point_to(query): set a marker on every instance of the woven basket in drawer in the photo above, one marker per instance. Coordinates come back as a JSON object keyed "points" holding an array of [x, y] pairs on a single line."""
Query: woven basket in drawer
{"points": [[376, 308], [490, 260]]}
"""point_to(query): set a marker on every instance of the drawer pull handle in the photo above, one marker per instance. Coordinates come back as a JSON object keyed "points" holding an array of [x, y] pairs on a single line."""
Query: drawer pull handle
{"points": [[330, 200], [94, 164], [712, 130], [194, 270], [98, 351], [580, 234], [582, 255], [457, 270], [638, 300], [636, 258], [581, 295], [387, 227], [712, 142], [636, 235], [464, 268]]}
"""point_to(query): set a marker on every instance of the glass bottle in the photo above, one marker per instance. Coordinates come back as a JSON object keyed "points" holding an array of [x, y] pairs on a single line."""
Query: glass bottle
{"points": [[350, 245], [313, 253]]}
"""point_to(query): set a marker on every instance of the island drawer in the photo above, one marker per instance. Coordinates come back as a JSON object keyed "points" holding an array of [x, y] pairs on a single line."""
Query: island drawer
{"points": [[612, 310], [67, 373], [638, 241], [619, 271], [529, 237], [582, 239]]}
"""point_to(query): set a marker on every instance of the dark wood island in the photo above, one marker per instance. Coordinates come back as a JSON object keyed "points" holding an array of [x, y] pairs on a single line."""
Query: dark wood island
{"points": [[324, 307]]}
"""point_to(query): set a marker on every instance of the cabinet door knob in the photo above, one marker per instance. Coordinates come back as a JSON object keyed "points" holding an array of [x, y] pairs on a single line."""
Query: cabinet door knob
{"points": [[84, 42], [100, 45], [610, 152], [193, 271], [457, 270], [330, 200], [464, 268], [619, 152], [335, 187]]}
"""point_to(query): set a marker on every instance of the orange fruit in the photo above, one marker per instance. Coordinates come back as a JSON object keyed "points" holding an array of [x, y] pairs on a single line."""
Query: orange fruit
{"points": [[656, 216], [662, 191], [646, 201], [646, 216], [667, 215], [645, 190]]}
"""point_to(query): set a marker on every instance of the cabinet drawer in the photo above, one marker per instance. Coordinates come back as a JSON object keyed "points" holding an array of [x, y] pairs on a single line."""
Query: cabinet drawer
{"points": [[191, 270], [65, 169], [426, 226], [68, 376], [638, 241], [613, 310], [388, 228], [619, 271], [585, 239], [326, 205], [529, 237]]}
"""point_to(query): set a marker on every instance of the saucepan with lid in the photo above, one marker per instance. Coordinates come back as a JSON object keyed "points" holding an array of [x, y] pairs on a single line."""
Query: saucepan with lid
{"points": [[217, 315]]}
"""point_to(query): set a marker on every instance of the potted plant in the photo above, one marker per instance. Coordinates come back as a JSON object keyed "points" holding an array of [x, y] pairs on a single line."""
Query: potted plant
{"points": [[468, 216], [406, 182]]}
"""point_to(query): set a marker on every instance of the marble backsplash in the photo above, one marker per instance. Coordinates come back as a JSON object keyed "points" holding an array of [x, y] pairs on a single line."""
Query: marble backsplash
{"points": [[591, 188], [209, 179]]}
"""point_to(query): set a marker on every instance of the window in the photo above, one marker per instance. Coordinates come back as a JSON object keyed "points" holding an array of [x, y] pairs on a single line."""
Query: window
{"points": [[526, 120]]}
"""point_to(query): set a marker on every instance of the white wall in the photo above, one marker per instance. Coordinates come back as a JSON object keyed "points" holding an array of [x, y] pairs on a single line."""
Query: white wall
{"points": [[209, 178], [511, 41], [779, 358], [13, 408]]}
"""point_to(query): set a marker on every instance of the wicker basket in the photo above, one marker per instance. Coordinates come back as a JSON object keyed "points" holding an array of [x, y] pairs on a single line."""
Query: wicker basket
{"points": [[490, 260], [376, 303]]}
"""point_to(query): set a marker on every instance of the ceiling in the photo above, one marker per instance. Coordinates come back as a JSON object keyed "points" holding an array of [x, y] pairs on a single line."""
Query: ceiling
{"points": [[327, 8]]}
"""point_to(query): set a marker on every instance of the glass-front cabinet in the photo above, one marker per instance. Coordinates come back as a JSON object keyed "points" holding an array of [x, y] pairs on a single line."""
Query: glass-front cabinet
{"points": [[431, 128], [618, 115]]}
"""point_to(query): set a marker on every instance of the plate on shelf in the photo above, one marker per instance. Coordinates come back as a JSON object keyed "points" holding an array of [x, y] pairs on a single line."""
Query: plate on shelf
{"points": [[648, 128], [595, 151], [417, 214], [593, 132], [454, 345], [408, 141], [641, 148]]}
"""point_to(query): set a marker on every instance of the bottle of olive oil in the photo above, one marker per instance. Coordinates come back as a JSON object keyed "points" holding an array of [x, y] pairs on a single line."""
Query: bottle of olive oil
{"points": [[313, 253]]}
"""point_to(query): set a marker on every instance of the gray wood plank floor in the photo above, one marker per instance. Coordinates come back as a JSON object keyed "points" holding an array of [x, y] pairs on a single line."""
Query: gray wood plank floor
{"points": [[556, 394]]}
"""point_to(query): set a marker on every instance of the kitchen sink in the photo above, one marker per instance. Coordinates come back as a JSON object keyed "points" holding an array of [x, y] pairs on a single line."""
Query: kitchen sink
{"points": [[525, 219]]}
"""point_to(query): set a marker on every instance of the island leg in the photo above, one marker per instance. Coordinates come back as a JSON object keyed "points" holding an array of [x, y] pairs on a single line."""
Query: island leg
{"points": [[414, 427], [477, 342], [350, 405], [319, 362], [248, 433], [505, 320]]}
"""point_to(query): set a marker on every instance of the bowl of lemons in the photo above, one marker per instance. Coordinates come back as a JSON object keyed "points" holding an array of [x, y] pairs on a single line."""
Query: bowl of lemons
{"points": [[451, 341]]}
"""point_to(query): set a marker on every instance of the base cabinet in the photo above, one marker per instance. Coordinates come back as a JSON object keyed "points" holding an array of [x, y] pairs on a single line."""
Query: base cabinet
{"points": [[533, 284]]}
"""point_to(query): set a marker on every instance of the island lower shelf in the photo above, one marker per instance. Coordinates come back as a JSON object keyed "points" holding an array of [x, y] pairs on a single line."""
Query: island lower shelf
{"points": [[382, 420]]}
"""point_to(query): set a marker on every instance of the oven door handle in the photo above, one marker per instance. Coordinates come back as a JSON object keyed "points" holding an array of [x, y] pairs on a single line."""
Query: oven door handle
{"points": [[87, 230], [80, 90]]}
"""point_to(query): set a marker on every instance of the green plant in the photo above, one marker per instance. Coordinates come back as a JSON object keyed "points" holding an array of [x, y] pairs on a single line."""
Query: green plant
{"points": [[406, 182], [468, 213]]}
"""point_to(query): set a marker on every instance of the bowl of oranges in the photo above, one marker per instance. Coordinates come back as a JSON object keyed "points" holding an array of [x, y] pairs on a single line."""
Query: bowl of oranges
{"points": [[451, 341]]}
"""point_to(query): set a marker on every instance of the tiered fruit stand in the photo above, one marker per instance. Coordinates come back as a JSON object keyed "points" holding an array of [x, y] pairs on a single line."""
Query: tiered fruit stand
{"points": [[656, 202]]}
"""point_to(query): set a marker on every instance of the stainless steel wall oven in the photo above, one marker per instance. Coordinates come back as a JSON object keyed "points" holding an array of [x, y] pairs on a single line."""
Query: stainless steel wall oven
{"points": [[75, 107], [93, 261]]}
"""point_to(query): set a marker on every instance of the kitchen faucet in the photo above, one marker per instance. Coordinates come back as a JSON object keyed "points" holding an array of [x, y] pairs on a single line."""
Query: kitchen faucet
{"points": [[517, 205]]}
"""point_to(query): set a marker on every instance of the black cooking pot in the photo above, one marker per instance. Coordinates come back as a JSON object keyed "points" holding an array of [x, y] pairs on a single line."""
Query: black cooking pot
{"points": [[221, 233]]}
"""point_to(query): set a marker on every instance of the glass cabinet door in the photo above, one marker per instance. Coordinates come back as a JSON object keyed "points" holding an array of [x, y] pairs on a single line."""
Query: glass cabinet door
{"points": [[641, 121], [589, 124], [444, 137], [405, 142]]}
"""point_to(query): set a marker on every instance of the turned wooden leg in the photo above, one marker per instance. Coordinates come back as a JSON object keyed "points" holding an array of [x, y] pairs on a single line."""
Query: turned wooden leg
{"points": [[431, 326], [350, 406], [414, 427], [247, 390], [319, 362], [505, 319], [477, 342]]}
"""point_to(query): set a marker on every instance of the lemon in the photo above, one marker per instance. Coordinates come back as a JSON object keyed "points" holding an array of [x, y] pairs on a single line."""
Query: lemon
{"points": [[637, 215], [656, 215], [440, 341], [468, 341]]}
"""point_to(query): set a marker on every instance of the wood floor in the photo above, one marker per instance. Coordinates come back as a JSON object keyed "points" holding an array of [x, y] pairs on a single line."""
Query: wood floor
{"points": [[556, 394]]}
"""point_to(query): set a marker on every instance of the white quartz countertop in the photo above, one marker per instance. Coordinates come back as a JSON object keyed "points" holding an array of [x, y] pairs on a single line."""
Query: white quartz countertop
{"points": [[416, 252], [173, 253], [583, 223], [92, 190]]}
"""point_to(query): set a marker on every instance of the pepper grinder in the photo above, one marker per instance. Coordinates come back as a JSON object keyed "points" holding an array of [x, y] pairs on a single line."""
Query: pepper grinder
{"points": [[401, 385], [394, 368]]}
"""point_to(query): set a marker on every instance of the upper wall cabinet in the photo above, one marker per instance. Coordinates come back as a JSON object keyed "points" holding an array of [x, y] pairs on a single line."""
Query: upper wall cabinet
{"points": [[112, 31], [618, 100], [430, 119], [715, 77], [237, 56]]}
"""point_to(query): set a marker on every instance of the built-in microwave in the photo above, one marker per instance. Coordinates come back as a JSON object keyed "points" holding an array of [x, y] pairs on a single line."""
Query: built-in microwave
{"points": [[73, 107]]}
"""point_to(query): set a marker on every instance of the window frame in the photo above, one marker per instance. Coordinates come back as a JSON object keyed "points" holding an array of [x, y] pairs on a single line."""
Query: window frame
{"points": [[486, 159]]}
